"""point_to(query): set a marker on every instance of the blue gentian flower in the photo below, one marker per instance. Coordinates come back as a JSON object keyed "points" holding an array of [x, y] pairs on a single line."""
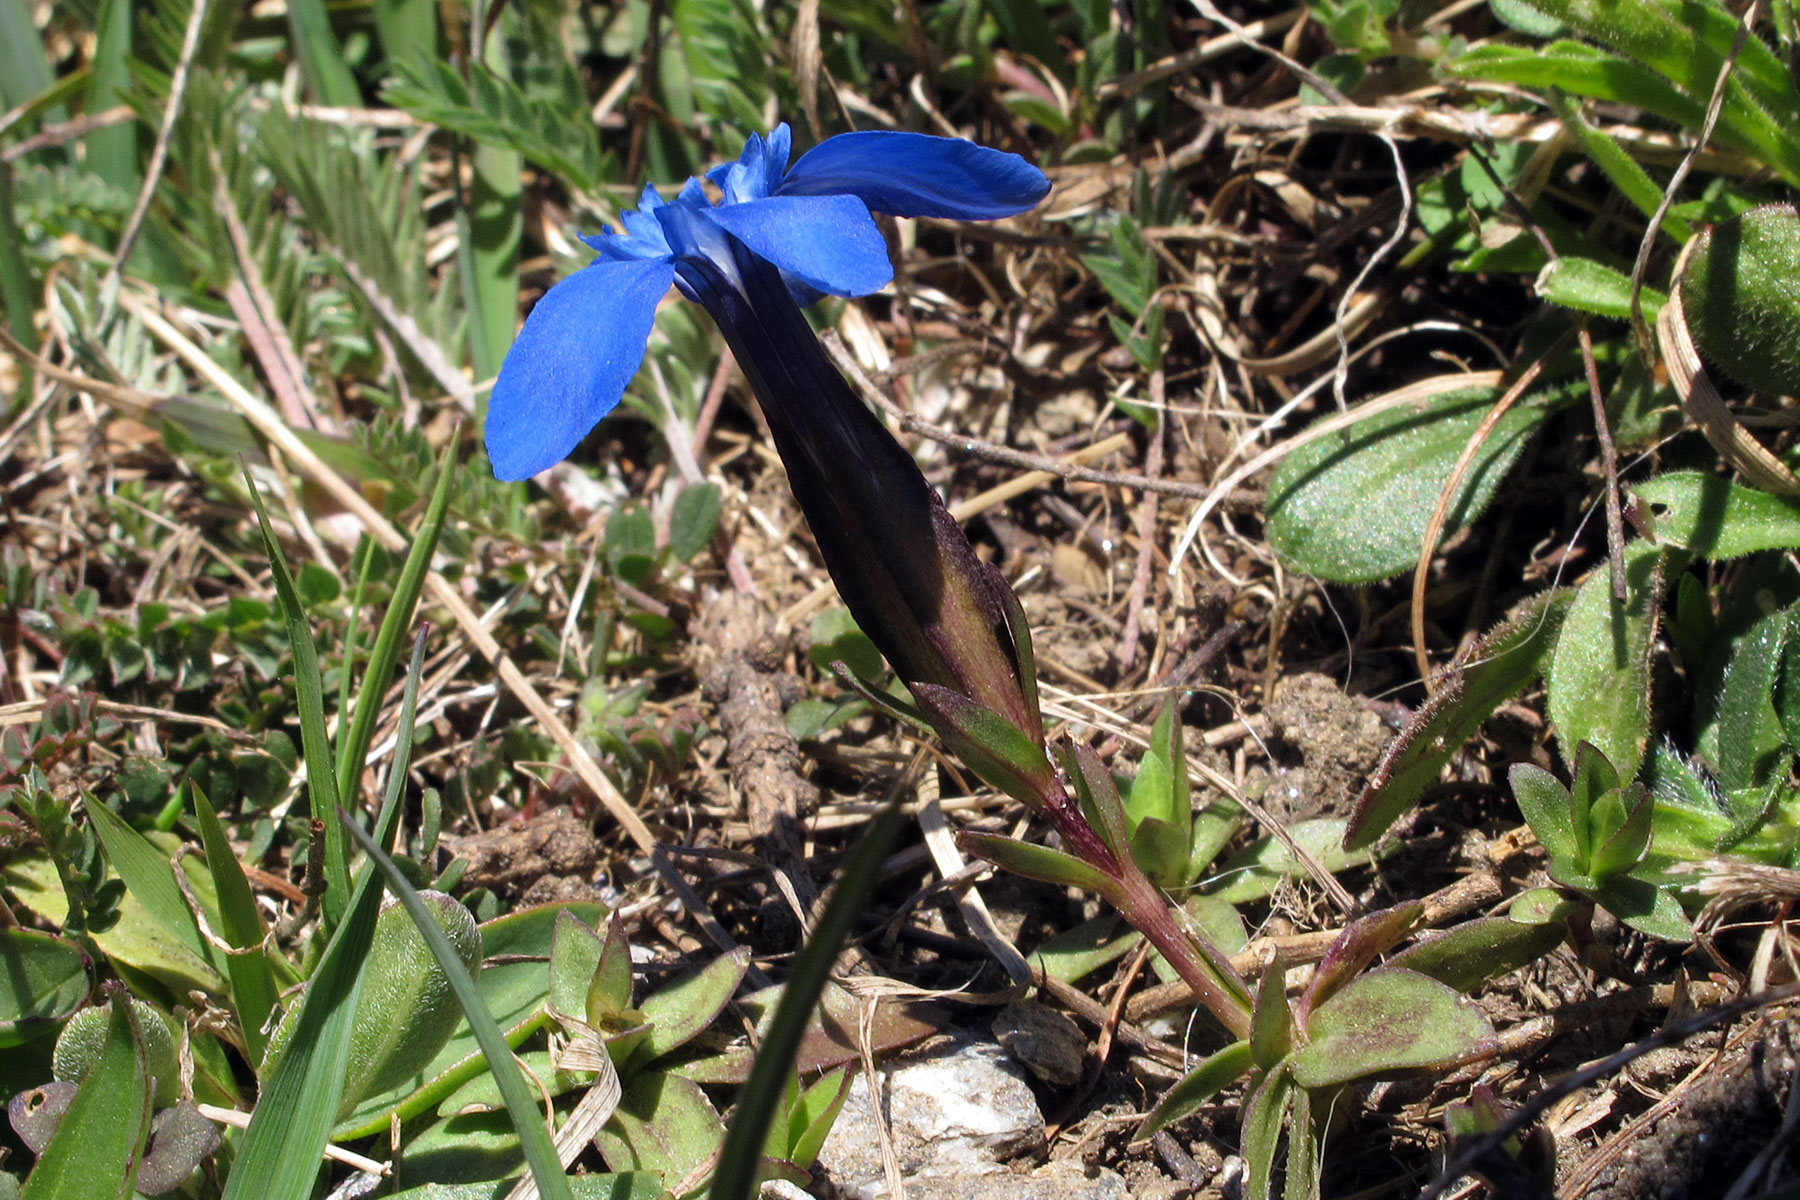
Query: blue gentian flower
{"points": [[583, 342], [777, 239]]}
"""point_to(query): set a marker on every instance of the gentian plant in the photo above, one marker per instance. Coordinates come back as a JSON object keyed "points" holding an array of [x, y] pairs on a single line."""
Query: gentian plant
{"points": [[773, 240]]}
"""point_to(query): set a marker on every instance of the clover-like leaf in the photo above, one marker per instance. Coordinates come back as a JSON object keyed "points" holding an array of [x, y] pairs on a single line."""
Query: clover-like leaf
{"points": [[1388, 1021]]}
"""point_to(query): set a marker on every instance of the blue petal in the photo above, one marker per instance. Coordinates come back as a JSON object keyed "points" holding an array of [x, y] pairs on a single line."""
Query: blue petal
{"points": [[758, 169], [916, 175], [579, 348], [829, 243]]}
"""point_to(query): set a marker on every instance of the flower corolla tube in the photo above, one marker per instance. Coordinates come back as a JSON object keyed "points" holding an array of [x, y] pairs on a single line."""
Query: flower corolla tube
{"points": [[583, 342]]}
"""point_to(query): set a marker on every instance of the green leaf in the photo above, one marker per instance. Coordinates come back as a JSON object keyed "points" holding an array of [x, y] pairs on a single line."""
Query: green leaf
{"points": [[1467, 955], [759, 1101], [1258, 869], [1599, 677], [1002, 754], [24, 68], [322, 62], [1717, 518], [93, 1154], [1034, 862], [664, 1124], [46, 979], [692, 519], [321, 777], [111, 153], [253, 985], [1646, 908], [521, 1104], [1753, 745], [494, 111], [1688, 43], [1161, 851], [1738, 294], [1212, 1075], [135, 939], [1387, 1021], [514, 987], [396, 620], [1352, 507], [280, 1153], [1591, 287], [1618, 853], [680, 1011], [1265, 1114], [810, 1115], [148, 876], [574, 957], [1272, 1029], [1083, 949], [1632, 181], [1545, 804]]}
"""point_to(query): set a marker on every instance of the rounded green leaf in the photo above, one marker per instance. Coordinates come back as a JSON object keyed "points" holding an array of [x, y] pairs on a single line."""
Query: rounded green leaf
{"points": [[46, 978], [1741, 303], [1389, 1020], [1352, 506]]}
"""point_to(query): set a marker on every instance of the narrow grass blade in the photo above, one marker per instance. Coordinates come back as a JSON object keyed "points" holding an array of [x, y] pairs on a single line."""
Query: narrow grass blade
{"points": [[321, 775], [240, 924], [148, 875], [491, 261], [16, 290], [521, 1105], [354, 745], [766, 1089], [322, 63], [111, 153], [24, 71], [93, 1155], [489, 226], [408, 29], [281, 1152]]}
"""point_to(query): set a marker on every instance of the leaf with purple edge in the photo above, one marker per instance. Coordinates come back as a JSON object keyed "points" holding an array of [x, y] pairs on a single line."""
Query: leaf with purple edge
{"points": [[1097, 795], [1387, 1021], [1355, 948], [1002, 754], [1475, 951], [1497, 667]]}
